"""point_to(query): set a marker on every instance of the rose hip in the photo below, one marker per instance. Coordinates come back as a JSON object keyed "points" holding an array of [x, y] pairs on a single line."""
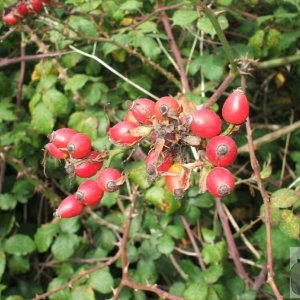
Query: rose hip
{"points": [[79, 145], [89, 193], [120, 134], [56, 152], [61, 137], [143, 110], [109, 180], [70, 207], [166, 107], [159, 164]]}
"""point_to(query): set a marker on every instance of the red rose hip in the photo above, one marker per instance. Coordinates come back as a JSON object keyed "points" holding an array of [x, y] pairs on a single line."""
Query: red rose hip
{"points": [[143, 110], [56, 152], [61, 137], [205, 123], [70, 207], [89, 193], [236, 107], [159, 164], [21, 10], [79, 145], [220, 182], [221, 151], [110, 180], [36, 5], [10, 19], [120, 134], [166, 107]]}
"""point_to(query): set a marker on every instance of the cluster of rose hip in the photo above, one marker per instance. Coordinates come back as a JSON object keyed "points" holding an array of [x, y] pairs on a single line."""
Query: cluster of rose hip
{"points": [[22, 9], [83, 161], [171, 126]]}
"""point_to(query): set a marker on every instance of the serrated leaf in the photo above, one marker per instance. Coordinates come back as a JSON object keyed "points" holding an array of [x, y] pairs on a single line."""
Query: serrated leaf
{"points": [[42, 119], [107, 239], [138, 175], [213, 253], [2, 263], [212, 67], [44, 236], [18, 265], [46, 83], [284, 198], [64, 246], [196, 291], [7, 201], [147, 27], [71, 225], [76, 82], [7, 111], [165, 244], [146, 271], [56, 102], [83, 26], [206, 26], [109, 199], [83, 292], [149, 46], [289, 224], [23, 189], [61, 295], [19, 244], [102, 281], [184, 17], [131, 5], [213, 273]]}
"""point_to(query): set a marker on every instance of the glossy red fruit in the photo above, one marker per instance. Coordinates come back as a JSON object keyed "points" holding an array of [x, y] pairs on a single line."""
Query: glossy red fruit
{"points": [[156, 165], [221, 151], [56, 152], [166, 107], [220, 182], [109, 180], [177, 181], [36, 5], [70, 207], [61, 137], [88, 167], [120, 133], [205, 123], [143, 110], [236, 107], [89, 193], [21, 10], [80, 145], [129, 117], [10, 19]]}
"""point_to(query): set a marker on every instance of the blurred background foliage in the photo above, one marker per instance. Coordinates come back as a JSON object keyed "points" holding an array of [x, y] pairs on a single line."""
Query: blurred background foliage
{"points": [[39, 253]]}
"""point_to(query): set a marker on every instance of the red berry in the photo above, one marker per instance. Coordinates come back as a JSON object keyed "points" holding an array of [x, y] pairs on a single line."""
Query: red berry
{"points": [[159, 164], [10, 19], [21, 10], [166, 107], [89, 192], [120, 133], [109, 180], [221, 151], [56, 152], [36, 5], [220, 182], [61, 137], [79, 145], [87, 168], [236, 108], [46, 1], [205, 123], [70, 207], [129, 117], [177, 181], [143, 110]]}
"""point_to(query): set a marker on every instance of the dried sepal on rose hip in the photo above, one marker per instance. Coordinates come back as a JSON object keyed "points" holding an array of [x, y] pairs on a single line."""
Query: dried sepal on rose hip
{"points": [[143, 110], [220, 182], [235, 109], [221, 151], [69, 207], [56, 152], [79, 146], [167, 107], [178, 180], [89, 192], [129, 117], [110, 180]]}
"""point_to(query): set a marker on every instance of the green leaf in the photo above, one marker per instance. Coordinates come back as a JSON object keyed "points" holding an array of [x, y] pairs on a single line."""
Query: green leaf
{"points": [[224, 2], [284, 198], [83, 26], [212, 67], [205, 24], [23, 189], [18, 265], [149, 46], [7, 202], [214, 253], [44, 236], [71, 225], [208, 235], [102, 281], [42, 119], [196, 291], [46, 83], [131, 5], [84, 292], [7, 111], [256, 42], [107, 239], [56, 102], [289, 224], [147, 27], [19, 244], [176, 231], [165, 244], [184, 17], [7, 221], [138, 174], [109, 199], [76, 82], [146, 271], [2, 263], [64, 246], [213, 273], [177, 288], [61, 295]]}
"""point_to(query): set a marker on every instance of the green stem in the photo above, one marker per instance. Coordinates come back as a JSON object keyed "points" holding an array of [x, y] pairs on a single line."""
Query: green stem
{"points": [[213, 19], [277, 62]]}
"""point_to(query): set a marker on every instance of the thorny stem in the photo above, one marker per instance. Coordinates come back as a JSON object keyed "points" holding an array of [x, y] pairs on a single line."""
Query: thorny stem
{"points": [[277, 62], [266, 199], [175, 50], [22, 72]]}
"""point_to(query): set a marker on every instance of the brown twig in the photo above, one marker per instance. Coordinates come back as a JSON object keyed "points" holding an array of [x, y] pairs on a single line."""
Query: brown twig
{"points": [[234, 253], [174, 49], [194, 244], [22, 75], [76, 278], [260, 278]]}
